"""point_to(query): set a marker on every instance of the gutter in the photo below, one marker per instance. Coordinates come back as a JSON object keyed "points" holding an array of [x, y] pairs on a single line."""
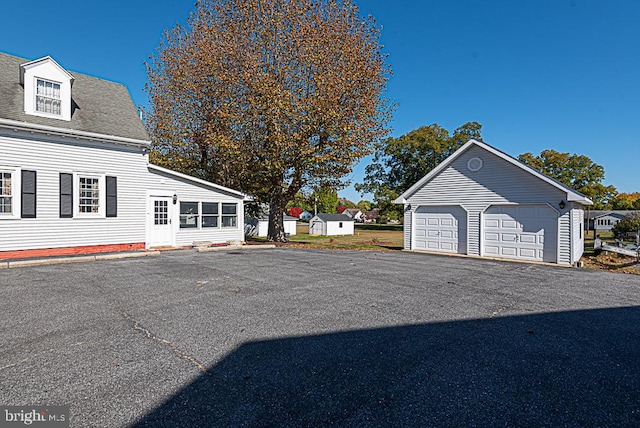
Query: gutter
{"points": [[67, 132]]}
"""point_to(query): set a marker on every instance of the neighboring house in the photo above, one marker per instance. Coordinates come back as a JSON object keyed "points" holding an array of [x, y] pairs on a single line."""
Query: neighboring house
{"points": [[354, 213], [75, 176], [331, 225], [370, 216], [260, 226], [603, 221], [482, 202], [305, 215]]}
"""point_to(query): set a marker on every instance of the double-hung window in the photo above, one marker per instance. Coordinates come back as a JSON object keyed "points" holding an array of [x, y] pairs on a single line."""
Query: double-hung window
{"points": [[89, 195], [6, 193], [48, 98], [209, 214], [229, 215]]}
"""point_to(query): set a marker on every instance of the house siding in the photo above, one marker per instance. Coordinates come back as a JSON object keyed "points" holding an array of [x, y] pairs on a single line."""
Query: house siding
{"points": [[57, 155], [187, 191], [577, 214], [407, 228], [497, 183], [564, 242]]}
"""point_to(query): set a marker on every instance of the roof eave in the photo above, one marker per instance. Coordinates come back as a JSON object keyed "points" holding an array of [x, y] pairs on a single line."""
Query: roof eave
{"points": [[73, 133], [200, 181]]}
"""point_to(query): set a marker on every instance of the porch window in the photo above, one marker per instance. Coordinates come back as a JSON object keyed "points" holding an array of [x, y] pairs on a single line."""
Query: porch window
{"points": [[189, 214], [209, 214], [229, 215]]}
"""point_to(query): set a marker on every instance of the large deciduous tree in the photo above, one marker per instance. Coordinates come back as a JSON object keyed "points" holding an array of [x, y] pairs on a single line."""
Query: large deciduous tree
{"points": [[398, 163], [578, 172], [269, 96]]}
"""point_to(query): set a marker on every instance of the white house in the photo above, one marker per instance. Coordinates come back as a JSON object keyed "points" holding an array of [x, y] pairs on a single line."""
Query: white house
{"points": [[75, 176], [481, 201], [354, 213], [260, 226], [305, 215], [331, 225], [602, 221]]}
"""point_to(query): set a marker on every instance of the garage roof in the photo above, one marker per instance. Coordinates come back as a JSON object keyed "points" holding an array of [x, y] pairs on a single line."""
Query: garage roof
{"points": [[572, 195]]}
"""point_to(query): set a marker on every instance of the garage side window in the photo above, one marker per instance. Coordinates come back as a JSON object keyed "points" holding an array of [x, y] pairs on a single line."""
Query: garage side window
{"points": [[209, 214], [229, 215], [188, 214]]}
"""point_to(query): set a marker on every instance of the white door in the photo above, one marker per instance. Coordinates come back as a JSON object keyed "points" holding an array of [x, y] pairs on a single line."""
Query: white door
{"points": [[440, 229], [160, 227], [526, 232]]}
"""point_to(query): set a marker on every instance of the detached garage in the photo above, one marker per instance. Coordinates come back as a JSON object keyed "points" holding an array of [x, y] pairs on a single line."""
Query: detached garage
{"points": [[482, 202]]}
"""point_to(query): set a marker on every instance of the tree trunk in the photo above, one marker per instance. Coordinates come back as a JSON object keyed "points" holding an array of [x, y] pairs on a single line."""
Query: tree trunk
{"points": [[276, 223]]}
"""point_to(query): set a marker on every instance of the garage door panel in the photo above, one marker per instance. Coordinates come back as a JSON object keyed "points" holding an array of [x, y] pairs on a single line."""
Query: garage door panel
{"points": [[509, 224], [492, 223], [525, 232], [492, 250], [509, 237], [437, 228], [492, 237], [528, 252], [509, 251]]}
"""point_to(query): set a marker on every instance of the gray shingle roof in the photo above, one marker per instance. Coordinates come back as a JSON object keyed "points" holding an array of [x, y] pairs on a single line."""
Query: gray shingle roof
{"points": [[98, 105], [334, 217], [284, 217]]}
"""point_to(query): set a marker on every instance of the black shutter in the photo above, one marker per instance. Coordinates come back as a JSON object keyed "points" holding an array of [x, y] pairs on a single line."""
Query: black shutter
{"points": [[112, 196], [66, 195], [28, 194]]}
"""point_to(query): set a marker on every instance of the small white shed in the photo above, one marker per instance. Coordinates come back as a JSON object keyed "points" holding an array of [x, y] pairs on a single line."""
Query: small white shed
{"points": [[331, 225], [260, 226], [480, 201]]}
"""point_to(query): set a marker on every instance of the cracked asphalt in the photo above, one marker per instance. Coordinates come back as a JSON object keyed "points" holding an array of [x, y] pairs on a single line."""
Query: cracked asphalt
{"points": [[291, 337]]}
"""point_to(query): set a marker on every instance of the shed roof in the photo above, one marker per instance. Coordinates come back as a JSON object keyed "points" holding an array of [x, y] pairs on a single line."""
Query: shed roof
{"points": [[333, 217], [284, 217], [98, 106], [603, 213], [572, 195]]}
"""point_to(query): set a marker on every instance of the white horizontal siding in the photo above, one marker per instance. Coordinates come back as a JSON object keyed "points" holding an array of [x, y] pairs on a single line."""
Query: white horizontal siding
{"points": [[497, 183], [407, 228], [577, 216], [51, 155], [68, 155]]}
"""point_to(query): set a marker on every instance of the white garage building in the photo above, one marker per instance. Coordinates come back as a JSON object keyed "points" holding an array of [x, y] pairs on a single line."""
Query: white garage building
{"points": [[481, 201]]}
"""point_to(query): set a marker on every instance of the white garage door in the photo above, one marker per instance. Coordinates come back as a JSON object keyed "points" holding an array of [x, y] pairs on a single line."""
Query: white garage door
{"points": [[441, 229], [526, 232]]}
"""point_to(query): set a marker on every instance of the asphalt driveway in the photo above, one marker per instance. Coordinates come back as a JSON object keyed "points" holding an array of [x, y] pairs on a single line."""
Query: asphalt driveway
{"points": [[290, 337]]}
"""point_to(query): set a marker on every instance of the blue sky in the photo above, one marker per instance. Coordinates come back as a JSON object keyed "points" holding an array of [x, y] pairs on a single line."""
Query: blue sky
{"points": [[537, 74]]}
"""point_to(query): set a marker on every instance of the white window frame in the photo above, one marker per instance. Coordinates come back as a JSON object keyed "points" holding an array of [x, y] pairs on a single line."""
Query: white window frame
{"points": [[15, 193], [222, 215], [196, 215], [217, 216], [35, 97], [77, 196]]}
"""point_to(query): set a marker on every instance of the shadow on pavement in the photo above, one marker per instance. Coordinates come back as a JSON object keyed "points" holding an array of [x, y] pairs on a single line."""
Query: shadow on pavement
{"points": [[579, 368]]}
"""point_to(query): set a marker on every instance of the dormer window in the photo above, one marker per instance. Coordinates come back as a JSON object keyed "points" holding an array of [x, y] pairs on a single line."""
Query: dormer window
{"points": [[48, 97], [47, 89]]}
